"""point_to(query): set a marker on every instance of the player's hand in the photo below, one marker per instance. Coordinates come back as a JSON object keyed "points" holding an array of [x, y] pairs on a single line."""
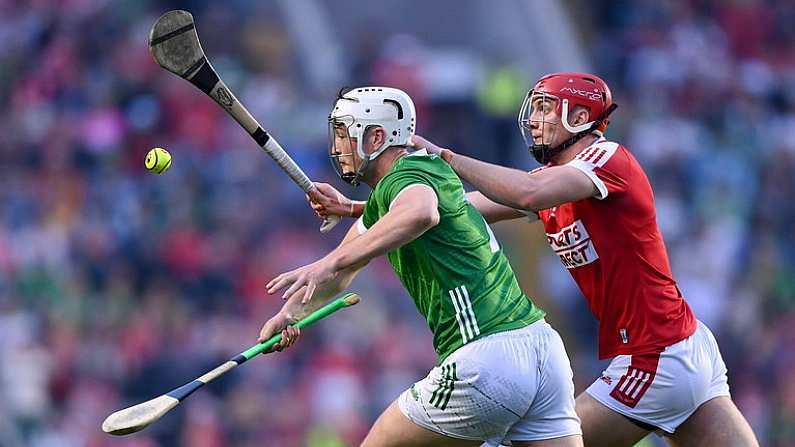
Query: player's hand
{"points": [[280, 323], [303, 281], [326, 200], [421, 143]]}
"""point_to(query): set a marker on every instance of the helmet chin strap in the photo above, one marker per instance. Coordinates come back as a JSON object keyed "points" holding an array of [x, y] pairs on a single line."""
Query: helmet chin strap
{"points": [[359, 174], [350, 178], [544, 154]]}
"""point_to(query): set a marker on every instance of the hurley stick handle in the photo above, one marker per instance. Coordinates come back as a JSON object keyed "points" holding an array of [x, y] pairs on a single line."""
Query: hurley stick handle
{"points": [[347, 300]]}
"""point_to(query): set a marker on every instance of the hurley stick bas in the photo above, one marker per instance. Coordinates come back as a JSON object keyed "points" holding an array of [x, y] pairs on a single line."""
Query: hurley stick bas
{"points": [[138, 417], [175, 46]]}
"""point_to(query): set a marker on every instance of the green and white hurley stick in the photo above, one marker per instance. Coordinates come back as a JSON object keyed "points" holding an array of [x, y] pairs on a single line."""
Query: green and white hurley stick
{"points": [[138, 417]]}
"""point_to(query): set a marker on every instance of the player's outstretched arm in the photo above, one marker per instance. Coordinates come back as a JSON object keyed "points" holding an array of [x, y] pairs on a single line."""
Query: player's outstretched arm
{"points": [[521, 190], [514, 188], [495, 212], [294, 309], [412, 213], [491, 210], [320, 278]]}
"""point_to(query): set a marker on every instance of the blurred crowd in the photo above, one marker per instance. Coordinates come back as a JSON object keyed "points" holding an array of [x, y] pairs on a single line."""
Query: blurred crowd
{"points": [[117, 285]]}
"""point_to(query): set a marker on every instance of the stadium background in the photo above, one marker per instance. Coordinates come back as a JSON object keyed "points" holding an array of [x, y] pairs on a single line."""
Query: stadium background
{"points": [[116, 285]]}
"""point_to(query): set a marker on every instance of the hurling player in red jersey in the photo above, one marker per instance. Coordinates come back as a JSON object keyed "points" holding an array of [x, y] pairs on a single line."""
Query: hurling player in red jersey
{"points": [[597, 207]]}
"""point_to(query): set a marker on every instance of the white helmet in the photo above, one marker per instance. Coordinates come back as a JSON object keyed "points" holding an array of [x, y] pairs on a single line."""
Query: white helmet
{"points": [[361, 108]]}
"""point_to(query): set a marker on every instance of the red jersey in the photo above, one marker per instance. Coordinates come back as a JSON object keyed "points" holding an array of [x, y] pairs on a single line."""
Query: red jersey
{"points": [[613, 248]]}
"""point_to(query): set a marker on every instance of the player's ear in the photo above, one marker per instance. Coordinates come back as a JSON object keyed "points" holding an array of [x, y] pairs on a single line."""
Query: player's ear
{"points": [[376, 136], [581, 116]]}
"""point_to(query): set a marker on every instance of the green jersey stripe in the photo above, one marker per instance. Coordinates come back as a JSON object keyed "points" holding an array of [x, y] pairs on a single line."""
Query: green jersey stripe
{"points": [[470, 311], [459, 317], [464, 313]]}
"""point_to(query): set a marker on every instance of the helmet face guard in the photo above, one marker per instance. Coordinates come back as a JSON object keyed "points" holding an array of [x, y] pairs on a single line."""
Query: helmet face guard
{"points": [[542, 111], [343, 148], [539, 112], [561, 93]]}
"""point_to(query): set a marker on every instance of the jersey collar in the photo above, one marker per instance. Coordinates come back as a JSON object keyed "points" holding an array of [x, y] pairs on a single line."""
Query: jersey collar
{"points": [[601, 139], [419, 152]]}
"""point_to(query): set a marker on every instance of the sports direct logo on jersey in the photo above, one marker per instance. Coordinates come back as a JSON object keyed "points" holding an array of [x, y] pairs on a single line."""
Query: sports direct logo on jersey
{"points": [[573, 245]]}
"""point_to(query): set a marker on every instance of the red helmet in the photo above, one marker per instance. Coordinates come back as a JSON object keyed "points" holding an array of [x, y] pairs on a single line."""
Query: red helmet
{"points": [[577, 89], [569, 89]]}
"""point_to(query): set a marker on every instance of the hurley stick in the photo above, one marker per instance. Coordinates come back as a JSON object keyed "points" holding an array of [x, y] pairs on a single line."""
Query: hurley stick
{"points": [[138, 417]]}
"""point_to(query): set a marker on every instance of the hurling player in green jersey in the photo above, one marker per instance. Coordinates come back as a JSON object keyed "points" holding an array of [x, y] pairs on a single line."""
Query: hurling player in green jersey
{"points": [[502, 372]]}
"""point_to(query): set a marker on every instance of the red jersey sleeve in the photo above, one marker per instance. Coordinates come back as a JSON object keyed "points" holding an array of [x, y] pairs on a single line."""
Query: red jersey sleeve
{"points": [[607, 165]]}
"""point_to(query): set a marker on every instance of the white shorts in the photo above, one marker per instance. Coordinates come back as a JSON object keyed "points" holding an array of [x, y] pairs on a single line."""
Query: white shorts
{"points": [[513, 385], [664, 389]]}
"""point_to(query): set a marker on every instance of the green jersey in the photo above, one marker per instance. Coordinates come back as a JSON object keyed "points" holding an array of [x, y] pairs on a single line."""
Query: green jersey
{"points": [[456, 272]]}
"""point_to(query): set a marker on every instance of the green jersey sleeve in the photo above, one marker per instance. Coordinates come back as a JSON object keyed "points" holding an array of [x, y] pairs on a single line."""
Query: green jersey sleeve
{"points": [[388, 189]]}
